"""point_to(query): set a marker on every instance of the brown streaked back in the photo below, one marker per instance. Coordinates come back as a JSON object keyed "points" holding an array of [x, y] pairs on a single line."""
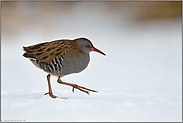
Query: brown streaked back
{"points": [[49, 50]]}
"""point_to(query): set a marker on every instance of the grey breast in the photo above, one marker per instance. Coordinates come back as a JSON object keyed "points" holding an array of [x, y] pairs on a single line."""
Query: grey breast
{"points": [[75, 64]]}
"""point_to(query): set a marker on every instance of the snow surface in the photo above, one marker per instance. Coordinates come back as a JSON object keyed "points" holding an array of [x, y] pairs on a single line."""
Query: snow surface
{"points": [[138, 80]]}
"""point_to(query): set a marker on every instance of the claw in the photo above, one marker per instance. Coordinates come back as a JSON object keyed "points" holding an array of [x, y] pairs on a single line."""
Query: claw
{"points": [[46, 93], [73, 89]]}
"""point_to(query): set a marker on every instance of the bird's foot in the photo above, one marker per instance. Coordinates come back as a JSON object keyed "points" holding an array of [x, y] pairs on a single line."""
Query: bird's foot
{"points": [[86, 90], [51, 94]]}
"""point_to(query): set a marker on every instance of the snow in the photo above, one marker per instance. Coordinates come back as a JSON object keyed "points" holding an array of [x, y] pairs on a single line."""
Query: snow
{"points": [[139, 79]]}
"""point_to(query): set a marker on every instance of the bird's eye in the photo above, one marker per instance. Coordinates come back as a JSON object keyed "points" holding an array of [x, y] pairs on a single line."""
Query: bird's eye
{"points": [[87, 45]]}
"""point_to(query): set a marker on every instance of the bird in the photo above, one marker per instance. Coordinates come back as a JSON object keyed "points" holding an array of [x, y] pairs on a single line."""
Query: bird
{"points": [[60, 58]]}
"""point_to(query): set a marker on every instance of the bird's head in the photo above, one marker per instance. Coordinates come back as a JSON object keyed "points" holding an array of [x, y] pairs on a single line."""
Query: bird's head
{"points": [[86, 46]]}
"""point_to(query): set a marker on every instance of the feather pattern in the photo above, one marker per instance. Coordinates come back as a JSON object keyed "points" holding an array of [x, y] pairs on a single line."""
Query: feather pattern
{"points": [[50, 50]]}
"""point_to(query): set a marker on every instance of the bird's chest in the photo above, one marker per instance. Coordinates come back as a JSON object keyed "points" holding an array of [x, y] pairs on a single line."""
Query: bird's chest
{"points": [[75, 63]]}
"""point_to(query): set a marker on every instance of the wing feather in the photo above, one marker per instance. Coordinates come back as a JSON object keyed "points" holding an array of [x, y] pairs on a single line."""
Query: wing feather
{"points": [[49, 50]]}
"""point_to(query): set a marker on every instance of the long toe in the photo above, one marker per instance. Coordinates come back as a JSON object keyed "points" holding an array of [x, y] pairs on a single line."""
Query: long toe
{"points": [[51, 95], [86, 90]]}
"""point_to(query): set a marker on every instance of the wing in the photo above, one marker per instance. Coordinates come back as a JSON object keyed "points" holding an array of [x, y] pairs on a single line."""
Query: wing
{"points": [[49, 50]]}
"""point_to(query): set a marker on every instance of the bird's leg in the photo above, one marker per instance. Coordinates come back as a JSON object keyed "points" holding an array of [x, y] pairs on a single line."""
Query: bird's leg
{"points": [[86, 90], [49, 86]]}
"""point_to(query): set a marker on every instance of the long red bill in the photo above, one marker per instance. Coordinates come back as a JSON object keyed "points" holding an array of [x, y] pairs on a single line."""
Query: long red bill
{"points": [[96, 50]]}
